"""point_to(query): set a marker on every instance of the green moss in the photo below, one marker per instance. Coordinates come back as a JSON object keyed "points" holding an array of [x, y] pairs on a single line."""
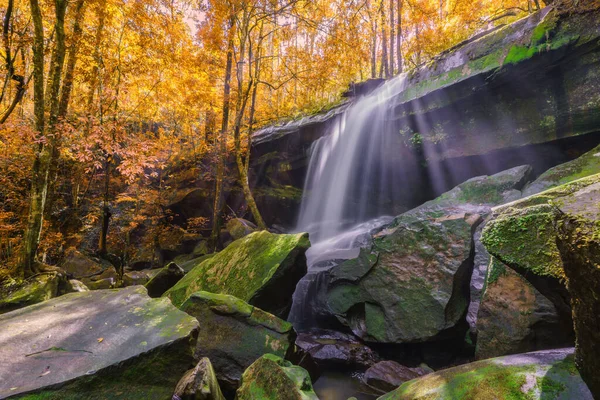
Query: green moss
{"points": [[495, 271], [480, 380], [526, 239], [244, 267], [272, 378]]}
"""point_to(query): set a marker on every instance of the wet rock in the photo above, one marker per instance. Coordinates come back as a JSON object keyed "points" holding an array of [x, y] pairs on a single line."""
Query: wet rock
{"points": [[388, 375], [261, 269], [412, 285], [199, 383], [331, 349], [549, 374], [233, 334], [480, 266], [105, 343], [164, 280], [514, 317], [272, 378], [579, 245], [239, 227], [34, 290]]}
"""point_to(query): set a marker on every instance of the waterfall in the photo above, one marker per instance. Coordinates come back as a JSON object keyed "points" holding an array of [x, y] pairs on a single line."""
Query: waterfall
{"points": [[353, 184]]}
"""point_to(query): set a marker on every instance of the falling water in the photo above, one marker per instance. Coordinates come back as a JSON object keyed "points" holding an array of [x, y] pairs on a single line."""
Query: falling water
{"points": [[353, 182]]}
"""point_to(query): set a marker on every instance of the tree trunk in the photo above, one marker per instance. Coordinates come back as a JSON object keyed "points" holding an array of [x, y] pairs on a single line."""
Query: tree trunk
{"points": [[392, 23], [384, 71], [221, 139], [42, 155], [67, 85], [97, 55], [399, 38]]}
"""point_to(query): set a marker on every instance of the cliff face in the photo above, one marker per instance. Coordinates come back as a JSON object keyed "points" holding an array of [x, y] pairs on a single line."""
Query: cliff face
{"points": [[528, 92]]}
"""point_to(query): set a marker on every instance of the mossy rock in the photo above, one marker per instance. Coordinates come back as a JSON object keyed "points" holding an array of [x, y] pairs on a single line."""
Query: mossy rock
{"points": [[548, 375], [34, 290], [583, 166], [262, 269], [233, 334], [103, 344], [514, 317], [272, 378], [579, 244], [238, 228], [412, 284], [526, 239]]}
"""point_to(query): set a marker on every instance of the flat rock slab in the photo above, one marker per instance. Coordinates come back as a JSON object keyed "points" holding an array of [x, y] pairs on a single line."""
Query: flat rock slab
{"points": [[106, 343]]}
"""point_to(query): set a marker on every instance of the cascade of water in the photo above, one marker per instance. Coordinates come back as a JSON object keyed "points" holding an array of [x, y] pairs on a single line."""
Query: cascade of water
{"points": [[353, 181]]}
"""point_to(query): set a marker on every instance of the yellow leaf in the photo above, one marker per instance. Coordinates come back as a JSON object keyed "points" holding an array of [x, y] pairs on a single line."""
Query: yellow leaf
{"points": [[100, 340]]}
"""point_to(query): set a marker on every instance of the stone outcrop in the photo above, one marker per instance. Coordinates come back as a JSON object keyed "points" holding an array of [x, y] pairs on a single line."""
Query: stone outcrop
{"points": [[117, 344], [549, 374], [272, 378], [32, 291], [261, 269], [233, 334], [579, 245], [514, 317], [388, 375]]}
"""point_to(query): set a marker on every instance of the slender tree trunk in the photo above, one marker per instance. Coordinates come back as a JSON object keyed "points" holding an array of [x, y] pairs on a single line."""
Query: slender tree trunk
{"points": [[106, 214], [384, 71], [222, 139], [399, 38], [42, 155], [242, 100], [97, 54], [67, 85], [392, 37]]}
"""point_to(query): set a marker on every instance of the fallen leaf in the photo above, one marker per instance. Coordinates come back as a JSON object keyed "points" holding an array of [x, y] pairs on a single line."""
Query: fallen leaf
{"points": [[44, 373], [100, 340]]}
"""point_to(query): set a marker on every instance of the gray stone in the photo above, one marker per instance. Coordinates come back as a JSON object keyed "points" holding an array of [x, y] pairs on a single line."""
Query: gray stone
{"points": [[199, 383], [106, 344]]}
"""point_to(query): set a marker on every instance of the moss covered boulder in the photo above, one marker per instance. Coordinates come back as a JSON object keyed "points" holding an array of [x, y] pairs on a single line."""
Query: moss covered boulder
{"points": [[233, 334], [272, 378], [412, 284], [579, 245], [548, 375], [239, 227], [14, 295], [514, 317], [106, 344], [262, 269], [586, 165]]}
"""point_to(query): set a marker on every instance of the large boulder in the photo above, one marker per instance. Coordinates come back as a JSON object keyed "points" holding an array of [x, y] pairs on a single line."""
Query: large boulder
{"points": [[262, 269], [412, 284], [117, 344], [514, 317], [80, 266], [34, 290], [548, 375], [586, 165], [524, 234], [108, 279], [233, 334], [199, 383], [579, 245], [272, 378]]}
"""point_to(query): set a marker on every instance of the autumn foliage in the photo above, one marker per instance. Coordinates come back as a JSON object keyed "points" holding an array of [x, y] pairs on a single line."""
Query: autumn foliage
{"points": [[142, 99]]}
